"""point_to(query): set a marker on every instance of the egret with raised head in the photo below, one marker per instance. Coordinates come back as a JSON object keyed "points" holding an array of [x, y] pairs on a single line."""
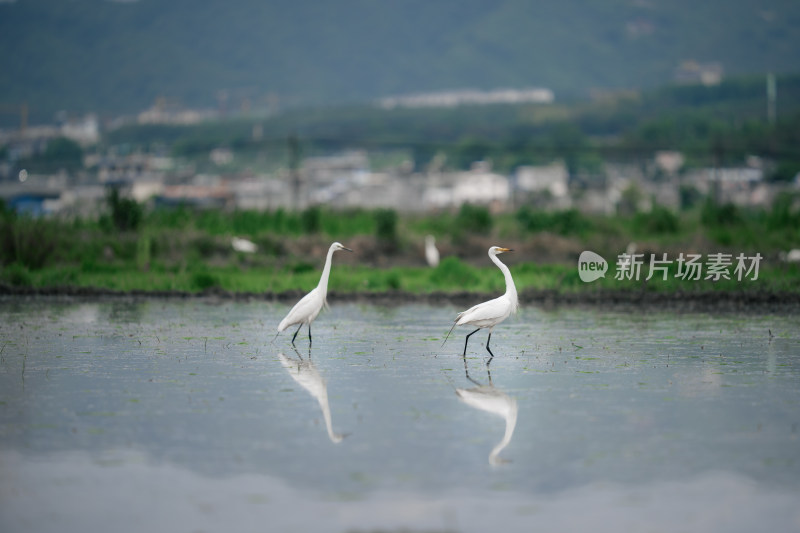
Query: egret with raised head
{"points": [[489, 314], [307, 309]]}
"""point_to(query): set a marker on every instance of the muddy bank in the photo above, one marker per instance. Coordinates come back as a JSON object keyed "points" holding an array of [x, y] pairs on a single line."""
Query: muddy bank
{"points": [[706, 301]]}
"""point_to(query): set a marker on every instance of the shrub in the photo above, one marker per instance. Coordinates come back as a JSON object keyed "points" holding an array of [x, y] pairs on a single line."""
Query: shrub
{"points": [[205, 245], [31, 242], [144, 247], [567, 222], [301, 267], [126, 213], [689, 196], [658, 221], [452, 272], [474, 219], [393, 280], [16, 275], [782, 215], [271, 246], [310, 220], [714, 215], [386, 228], [204, 280]]}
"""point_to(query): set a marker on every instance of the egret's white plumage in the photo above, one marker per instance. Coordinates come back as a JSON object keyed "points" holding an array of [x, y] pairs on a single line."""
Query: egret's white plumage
{"points": [[431, 253], [489, 314], [792, 256], [625, 262], [243, 245], [310, 305]]}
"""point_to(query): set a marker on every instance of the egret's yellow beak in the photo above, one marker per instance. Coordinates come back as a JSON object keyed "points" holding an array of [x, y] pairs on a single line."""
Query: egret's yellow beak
{"points": [[504, 250]]}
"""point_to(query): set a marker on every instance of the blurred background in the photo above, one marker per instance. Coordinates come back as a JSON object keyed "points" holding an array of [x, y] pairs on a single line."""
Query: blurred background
{"points": [[550, 126]]}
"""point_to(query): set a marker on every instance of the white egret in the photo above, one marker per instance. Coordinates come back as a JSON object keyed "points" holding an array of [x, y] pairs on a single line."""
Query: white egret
{"points": [[625, 262], [307, 309], [431, 253], [792, 256], [243, 245], [305, 373], [489, 314]]}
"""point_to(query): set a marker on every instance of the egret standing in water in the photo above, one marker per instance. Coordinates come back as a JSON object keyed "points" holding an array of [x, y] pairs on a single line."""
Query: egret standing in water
{"points": [[307, 309], [489, 314]]}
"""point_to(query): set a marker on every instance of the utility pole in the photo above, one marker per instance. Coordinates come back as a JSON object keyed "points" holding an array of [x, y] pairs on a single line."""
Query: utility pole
{"points": [[294, 163], [771, 98], [23, 118]]}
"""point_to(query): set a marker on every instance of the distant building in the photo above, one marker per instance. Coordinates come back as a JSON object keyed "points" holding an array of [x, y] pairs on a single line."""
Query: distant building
{"points": [[469, 97], [478, 186], [165, 113], [221, 156], [669, 161], [84, 131], [206, 191], [142, 190], [743, 186], [261, 193], [547, 183], [694, 72], [329, 177]]}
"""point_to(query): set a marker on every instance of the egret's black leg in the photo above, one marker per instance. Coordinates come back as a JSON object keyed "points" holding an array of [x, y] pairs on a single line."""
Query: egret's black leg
{"points": [[309, 334], [467, 340], [296, 332], [487, 348]]}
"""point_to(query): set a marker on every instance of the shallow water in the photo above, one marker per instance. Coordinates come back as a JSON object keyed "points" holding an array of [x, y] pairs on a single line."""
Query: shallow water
{"points": [[185, 416]]}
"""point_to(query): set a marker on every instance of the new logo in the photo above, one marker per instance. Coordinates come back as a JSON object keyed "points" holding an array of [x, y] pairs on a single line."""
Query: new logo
{"points": [[591, 266]]}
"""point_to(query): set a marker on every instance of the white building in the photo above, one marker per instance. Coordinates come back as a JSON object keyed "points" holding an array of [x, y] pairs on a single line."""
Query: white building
{"points": [[478, 186], [84, 131], [548, 180]]}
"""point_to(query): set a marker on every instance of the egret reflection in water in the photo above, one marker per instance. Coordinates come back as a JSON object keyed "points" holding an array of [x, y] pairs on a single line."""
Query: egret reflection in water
{"points": [[305, 373], [492, 400]]}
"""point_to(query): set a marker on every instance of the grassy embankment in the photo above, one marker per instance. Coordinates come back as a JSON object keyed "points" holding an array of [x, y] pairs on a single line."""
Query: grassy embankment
{"points": [[181, 250]]}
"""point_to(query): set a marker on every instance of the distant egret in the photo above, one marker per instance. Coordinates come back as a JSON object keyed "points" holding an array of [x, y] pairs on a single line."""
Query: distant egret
{"points": [[307, 309], [243, 245], [792, 256], [431, 253], [627, 258], [489, 314]]}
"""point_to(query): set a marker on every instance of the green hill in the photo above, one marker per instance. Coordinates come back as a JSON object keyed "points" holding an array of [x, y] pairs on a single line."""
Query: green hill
{"points": [[120, 56]]}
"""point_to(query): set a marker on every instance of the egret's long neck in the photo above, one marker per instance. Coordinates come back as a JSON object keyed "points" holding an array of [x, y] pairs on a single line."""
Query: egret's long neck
{"points": [[511, 289], [326, 271]]}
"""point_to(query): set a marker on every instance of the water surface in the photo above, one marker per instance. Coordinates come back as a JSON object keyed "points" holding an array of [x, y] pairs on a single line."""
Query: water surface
{"points": [[185, 416]]}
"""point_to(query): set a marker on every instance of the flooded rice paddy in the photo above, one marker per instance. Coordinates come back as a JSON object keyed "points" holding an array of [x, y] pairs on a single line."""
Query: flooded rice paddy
{"points": [[184, 415]]}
